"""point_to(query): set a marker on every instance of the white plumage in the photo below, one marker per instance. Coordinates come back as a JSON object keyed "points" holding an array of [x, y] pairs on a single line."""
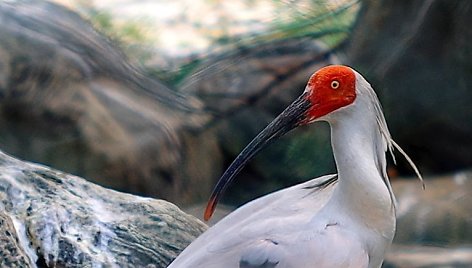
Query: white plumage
{"points": [[343, 220]]}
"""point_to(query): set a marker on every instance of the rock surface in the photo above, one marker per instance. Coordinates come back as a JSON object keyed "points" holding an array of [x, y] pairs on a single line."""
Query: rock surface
{"points": [[12, 254], [428, 257], [50, 218], [439, 215], [434, 225]]}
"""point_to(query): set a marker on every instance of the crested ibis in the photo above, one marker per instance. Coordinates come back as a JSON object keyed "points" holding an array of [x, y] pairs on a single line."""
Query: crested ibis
{"points": [[343, 220]]}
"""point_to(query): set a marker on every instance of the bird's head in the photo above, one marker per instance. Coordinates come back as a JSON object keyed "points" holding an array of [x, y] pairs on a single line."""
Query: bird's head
{"points": [[328, 90]]}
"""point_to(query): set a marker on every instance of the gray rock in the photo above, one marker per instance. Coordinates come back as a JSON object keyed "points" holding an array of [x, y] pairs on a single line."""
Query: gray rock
{"points": [[11, 252], [51, 218], [433, 226], [427, 256], [439, 215]]}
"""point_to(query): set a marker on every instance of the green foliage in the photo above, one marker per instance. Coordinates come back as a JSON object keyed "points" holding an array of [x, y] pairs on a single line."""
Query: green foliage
{"points": [[101, 20], [312, 153], [295, 158], [130, 35], [319, 20], [308, 152], [174, 77]]}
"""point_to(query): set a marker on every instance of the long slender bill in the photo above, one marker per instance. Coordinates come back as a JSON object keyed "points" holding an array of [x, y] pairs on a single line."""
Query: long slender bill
{"points": [[294, 115]]}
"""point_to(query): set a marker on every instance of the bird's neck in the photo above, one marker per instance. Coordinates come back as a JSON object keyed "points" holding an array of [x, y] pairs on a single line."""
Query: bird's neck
{"points": [[359, 152]]}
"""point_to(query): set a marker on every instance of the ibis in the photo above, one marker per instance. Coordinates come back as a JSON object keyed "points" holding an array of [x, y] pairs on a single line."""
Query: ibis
{"points": [[341, 220]]}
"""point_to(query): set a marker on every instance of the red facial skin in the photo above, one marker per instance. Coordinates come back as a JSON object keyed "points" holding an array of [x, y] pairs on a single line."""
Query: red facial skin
{"points": [[324, 95]]}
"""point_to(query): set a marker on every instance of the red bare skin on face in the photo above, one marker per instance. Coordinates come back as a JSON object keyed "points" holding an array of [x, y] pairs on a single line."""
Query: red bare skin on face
{"points": [[329, 89]]}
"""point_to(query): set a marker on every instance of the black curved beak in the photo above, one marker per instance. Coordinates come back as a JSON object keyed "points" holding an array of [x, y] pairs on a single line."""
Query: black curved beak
{"points": [[293, 116]]}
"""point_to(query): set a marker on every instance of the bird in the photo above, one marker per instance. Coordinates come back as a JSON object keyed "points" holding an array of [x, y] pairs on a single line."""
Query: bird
{"points": [[338, 220]]}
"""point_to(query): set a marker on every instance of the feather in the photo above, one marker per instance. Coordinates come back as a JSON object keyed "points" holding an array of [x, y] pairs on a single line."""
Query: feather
{"points": [[410, 162]]}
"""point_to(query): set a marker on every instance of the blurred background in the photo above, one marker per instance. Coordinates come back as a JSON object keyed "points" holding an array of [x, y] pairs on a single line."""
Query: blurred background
{"points": [[156, 98]]}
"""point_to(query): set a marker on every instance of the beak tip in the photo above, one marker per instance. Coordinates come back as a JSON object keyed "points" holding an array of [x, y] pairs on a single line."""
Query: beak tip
{"points": [[206, 216], [210, 208]]}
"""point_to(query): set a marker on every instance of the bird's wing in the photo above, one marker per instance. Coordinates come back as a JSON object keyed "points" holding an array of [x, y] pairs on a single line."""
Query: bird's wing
{"points": [[262, 253], [308, 248], [280, 212], [304, 198]]}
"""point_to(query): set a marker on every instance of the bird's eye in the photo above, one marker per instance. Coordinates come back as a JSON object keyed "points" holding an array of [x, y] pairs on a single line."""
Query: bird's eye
{"points": [[334, 84]]}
